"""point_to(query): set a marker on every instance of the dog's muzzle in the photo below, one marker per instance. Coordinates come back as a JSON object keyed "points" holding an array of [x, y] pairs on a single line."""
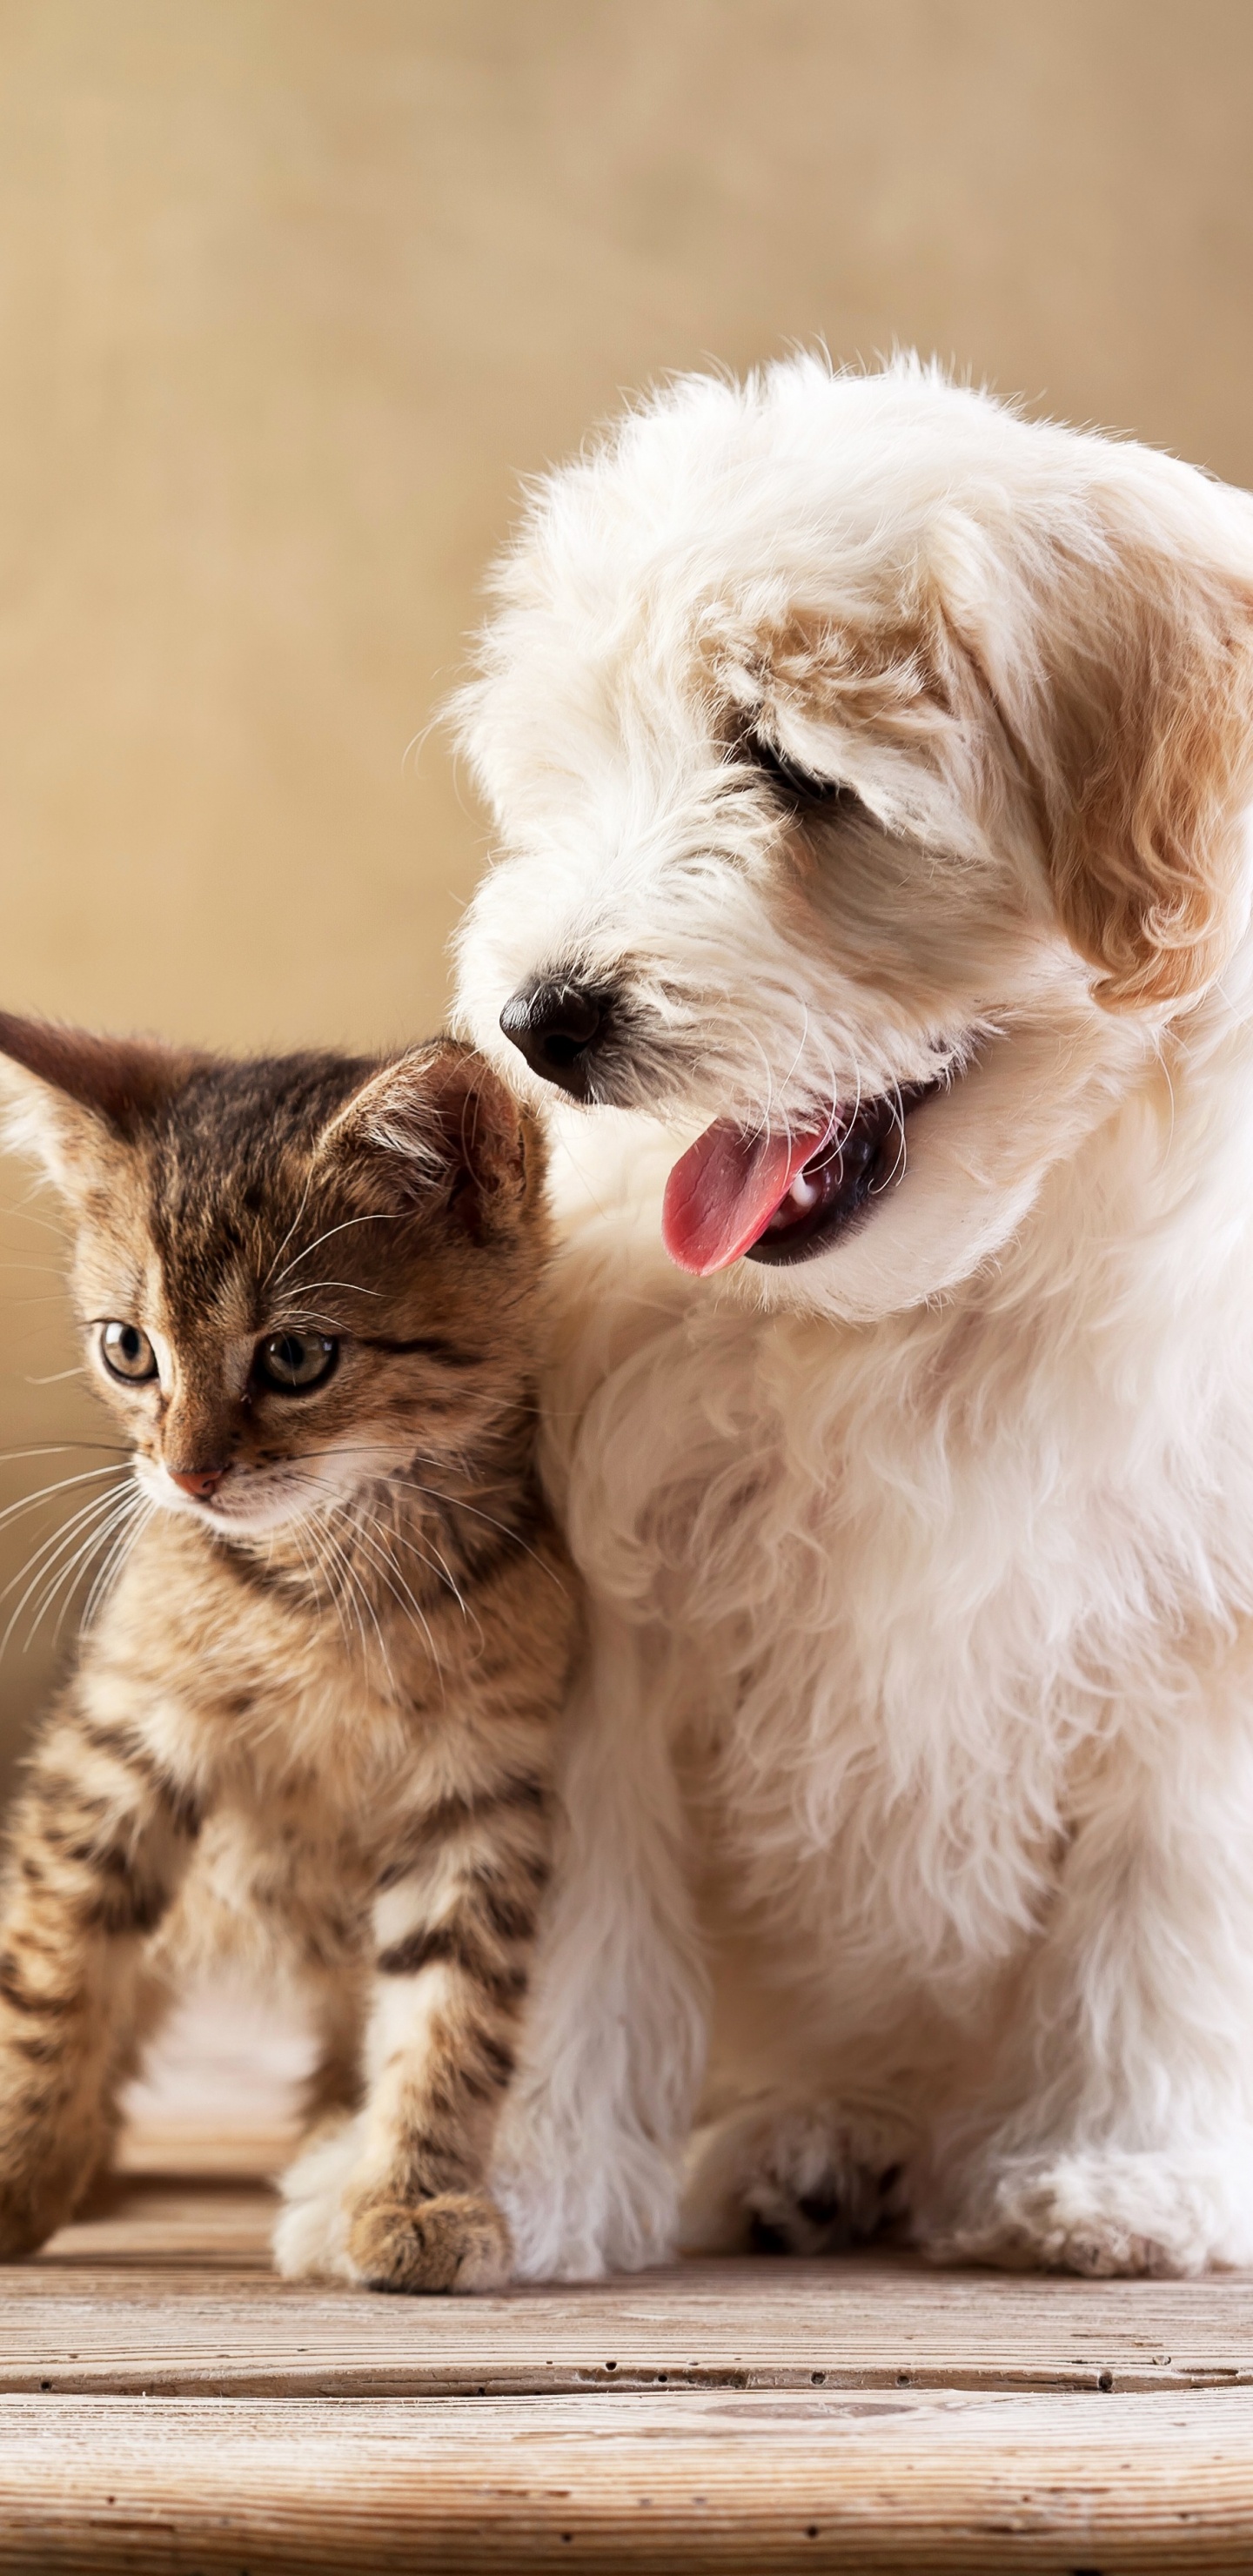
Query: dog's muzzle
{"points": [[559, 1026]]}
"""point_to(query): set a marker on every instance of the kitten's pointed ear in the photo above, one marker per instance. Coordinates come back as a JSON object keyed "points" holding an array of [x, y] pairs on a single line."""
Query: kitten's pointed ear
{"points": [[68, 1094], [444, 1119]]}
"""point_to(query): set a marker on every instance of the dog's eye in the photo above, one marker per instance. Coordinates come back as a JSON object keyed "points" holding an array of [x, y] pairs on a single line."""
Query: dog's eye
{"points": [[800, 786]]}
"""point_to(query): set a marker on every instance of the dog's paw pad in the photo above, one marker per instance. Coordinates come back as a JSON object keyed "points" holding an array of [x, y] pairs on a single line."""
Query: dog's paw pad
{"points": [[847, 2208]]}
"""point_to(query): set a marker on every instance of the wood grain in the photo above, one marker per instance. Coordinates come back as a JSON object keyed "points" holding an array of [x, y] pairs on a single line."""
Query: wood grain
{"points": [[692, 2481], [167, 2404], [170, 2292]]}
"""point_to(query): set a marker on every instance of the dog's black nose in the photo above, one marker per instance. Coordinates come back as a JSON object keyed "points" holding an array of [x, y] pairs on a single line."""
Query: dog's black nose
{"points": [[557, 1027]]}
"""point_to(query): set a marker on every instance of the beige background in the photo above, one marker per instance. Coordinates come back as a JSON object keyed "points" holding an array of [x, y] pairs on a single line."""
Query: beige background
{"points": [[291, 294]]}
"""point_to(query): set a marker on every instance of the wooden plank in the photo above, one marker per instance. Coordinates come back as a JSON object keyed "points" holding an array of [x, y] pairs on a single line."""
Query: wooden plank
{"points": [[206, 2150], [170, 2290], [171, 2405], [213, 2221], [728, 2482]]}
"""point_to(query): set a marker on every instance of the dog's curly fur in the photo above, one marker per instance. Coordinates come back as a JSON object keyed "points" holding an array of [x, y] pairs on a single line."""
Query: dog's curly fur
{"points": [[913, 1790]]}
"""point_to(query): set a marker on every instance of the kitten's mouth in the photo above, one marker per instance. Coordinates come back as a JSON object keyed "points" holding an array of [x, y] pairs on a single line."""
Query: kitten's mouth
{"points": [[231, 1509], [742, 1194]]}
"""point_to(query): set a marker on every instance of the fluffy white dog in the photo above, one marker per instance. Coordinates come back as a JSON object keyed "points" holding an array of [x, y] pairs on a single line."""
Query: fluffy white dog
{"points": [[873, 771]]}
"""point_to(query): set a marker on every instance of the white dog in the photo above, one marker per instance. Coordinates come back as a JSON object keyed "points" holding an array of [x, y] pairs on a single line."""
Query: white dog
{"points": [[873, 770]]}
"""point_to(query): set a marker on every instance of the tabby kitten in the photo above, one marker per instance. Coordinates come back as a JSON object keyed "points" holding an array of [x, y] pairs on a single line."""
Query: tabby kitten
{"points": [[319, 1697]]}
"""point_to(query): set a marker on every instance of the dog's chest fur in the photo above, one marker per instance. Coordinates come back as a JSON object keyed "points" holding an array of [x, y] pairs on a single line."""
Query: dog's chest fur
{"points": [[926, 1586]]}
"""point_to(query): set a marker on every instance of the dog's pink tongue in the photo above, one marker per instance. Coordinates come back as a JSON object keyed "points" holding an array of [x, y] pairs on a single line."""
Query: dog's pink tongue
{"points": [[723, 1192]]}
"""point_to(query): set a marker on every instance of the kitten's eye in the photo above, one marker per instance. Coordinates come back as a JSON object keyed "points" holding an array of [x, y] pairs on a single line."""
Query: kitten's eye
{"points": [[127, 1353], [293, 1362]]}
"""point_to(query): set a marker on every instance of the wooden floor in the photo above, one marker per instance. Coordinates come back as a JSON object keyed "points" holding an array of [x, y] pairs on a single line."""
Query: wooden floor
{"points": [[165, 2403]]}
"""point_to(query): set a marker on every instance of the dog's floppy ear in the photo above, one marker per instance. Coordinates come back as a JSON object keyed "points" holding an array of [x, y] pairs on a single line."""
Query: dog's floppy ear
{"points": [[1136, 734]]}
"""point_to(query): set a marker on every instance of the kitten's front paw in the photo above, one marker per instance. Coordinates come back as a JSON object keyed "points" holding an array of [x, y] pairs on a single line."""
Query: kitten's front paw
{"points": [[39, 2189], [457, 2241], [28, 2217], [334, 2228]]}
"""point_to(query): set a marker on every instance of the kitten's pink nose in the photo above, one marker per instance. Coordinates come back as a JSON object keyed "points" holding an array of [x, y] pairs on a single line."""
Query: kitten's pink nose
{"points": [[199, 1482]]}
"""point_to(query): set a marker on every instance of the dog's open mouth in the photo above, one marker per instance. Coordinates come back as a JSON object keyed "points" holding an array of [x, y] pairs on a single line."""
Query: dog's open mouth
{"points": [[739, 1194]]}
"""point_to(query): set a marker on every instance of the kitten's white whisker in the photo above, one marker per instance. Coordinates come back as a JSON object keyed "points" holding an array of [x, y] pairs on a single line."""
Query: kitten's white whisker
{"points": [[120, 1533], [457, 1503], [107, 1573], [309, 1569], [300, 1319], [117, 1510], [62, 1485], [437, 1562], [384, 1566], [344, 1511], [437, 1565], [351, 1588], [310, 1287], [304, 1201], [61, 1537], [89, 1542], [383, 1540], [63, 1449], [328, 1573], [22, 1209], [381, 1216]]}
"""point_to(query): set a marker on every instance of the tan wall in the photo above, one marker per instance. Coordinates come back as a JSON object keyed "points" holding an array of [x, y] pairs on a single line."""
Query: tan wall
{"points": [[291, 292]]}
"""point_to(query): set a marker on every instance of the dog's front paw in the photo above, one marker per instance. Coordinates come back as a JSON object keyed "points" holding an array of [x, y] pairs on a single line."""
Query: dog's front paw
{"points": [[1105, 2213], [581, 2202], [456, 2241]]}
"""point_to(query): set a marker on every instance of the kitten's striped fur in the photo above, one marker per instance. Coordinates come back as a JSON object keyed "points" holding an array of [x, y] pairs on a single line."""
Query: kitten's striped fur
{"points": [[323, 1732]]}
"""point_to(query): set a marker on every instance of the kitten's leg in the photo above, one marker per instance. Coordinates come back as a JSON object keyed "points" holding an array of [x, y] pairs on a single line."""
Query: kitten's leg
{"points": [[398, 2198], [97, 1847], [587, 2164], [332, 2094], [585, 2160]]}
